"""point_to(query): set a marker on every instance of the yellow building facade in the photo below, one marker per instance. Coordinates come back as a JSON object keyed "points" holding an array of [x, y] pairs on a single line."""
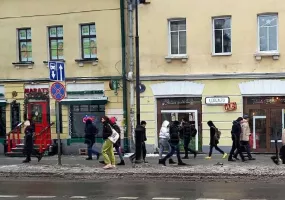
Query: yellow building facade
{"points": [[205, 61], [85, 37]]}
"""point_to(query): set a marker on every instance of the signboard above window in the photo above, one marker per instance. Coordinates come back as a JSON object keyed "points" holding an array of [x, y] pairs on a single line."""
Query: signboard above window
{"points": [[217, 100]]}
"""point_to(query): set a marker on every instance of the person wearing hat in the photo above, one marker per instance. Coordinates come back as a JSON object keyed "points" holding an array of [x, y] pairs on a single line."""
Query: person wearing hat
{"points": [[244, 138], [236, 131]]}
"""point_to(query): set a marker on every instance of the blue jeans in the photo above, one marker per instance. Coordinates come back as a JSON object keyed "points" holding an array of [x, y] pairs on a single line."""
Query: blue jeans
{"points": [[174, 147], [118, 150], [91, 151]]}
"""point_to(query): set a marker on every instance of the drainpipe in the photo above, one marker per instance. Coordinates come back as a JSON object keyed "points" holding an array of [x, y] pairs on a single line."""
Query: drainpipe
{"points": [[131, 68], [125, 94]]}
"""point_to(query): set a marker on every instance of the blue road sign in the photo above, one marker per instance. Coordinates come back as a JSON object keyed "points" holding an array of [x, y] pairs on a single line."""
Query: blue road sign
{"points": [[56, 71], [57, 91]]}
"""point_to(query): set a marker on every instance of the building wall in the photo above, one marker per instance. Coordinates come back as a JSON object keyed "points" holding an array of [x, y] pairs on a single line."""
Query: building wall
{"points": [[153, 27], [38, 15]]}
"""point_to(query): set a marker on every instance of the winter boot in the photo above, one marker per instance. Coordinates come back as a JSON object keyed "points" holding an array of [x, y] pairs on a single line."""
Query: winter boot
{"points": [[121, 163], [181, 163], [171, 161], [162, 162]]}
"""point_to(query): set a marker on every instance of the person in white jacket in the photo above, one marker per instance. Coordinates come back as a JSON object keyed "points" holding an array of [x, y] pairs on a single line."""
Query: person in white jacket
{"points": [[163, 141]]}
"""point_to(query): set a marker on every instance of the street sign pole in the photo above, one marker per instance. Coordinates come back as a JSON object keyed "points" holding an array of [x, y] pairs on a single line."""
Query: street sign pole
{"points": [[58, 133]]}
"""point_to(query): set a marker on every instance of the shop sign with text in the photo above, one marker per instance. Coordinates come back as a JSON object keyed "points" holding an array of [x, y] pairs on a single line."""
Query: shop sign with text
{"points": [[217, 100]]}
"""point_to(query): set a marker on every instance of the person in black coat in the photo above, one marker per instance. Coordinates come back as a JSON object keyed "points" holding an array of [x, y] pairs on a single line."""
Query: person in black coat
{"points": [[144, 139], [174, 140], [117, 145], [90, 132], [236, 131], [214, 141], [188, 130], [29, 143]]}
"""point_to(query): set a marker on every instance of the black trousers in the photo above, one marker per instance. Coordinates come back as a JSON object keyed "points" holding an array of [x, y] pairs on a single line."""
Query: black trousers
{"points": [[30, 153], [187, 148], [132, 157], [217, 148], [244, 144], [236, 147]]}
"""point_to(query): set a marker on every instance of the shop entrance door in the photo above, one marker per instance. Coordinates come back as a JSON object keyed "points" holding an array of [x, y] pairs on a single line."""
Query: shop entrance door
{"points": [[178, 115], [38, 112], [259, 136]]}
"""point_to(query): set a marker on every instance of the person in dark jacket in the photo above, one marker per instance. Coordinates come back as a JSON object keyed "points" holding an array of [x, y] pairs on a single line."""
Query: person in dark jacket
{"points": [[107, 149], [117, 145], [174, 140], [236, 131], [29, 143], [90, 132], [213, 141], [187, 132], [144, 139]]}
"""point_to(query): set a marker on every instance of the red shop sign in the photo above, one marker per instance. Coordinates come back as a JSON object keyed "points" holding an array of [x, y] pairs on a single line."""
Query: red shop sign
{"points": [[232, 106], [36, 90]]}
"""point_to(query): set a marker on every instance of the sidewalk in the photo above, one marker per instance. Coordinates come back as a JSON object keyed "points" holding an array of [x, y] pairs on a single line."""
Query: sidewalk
{"points": [[76, 167]]}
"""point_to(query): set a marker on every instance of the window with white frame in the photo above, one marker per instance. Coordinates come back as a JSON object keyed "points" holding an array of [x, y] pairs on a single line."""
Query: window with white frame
{"points": [[222, 39], [268, 33], [177, 37]]}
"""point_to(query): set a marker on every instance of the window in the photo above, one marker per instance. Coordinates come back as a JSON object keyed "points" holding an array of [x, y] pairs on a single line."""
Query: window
{"points": [[88, 41], [222, 35], [177, 34], [25, 44], [78, 112], [267, 33], [56, 42], [2, 121]]}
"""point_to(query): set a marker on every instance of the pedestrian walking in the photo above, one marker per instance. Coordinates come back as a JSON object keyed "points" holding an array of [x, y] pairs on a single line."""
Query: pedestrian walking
{"points": [[117, 145], [107, 149], [174, 141], [244, 138], [236, 131], [29, 143], [144, 139], [163, 141], [214, 140], [90, 133], [188, 131]]}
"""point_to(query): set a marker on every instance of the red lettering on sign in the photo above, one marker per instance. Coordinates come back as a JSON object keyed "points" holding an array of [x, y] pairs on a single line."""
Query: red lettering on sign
{"points": [[37, 90], [232, 106]]}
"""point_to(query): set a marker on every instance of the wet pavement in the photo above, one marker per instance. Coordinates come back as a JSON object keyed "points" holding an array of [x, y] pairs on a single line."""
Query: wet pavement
{"points": [[141, 190]]}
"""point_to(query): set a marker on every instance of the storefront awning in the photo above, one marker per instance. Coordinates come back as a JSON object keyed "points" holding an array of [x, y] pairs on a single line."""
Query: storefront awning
{"points": [[97, 101], [3, 102]]}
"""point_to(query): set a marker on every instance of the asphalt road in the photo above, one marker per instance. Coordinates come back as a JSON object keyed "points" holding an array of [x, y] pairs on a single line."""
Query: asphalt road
{"points": [[141, 190]]}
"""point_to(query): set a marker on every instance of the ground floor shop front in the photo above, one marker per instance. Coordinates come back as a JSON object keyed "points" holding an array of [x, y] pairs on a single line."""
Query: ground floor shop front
{"points": [[220, 101], [93, 99]]}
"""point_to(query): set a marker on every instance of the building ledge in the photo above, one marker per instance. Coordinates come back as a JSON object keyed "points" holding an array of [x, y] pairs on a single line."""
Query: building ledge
{"points": [[81, 62], [221, 54], [59, 60], [274, 55], [24, 64], [183, 58]]}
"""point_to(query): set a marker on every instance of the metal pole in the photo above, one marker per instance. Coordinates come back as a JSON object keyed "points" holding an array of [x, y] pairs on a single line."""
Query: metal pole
{"points": [[137, 68], [58, 133]]}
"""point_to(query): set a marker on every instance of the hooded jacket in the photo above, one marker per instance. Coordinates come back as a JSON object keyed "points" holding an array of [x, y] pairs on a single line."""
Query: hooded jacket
{"points": [[245, 131], [117, 128], [90, 132], [236, 130], [164, 131], [174, 132]]}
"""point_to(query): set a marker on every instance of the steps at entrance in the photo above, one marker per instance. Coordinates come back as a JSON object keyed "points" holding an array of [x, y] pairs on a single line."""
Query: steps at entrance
{"points": [[18, 151]]}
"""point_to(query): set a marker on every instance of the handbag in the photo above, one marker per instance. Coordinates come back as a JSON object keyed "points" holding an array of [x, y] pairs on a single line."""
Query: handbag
{"points": [[114, 136]]}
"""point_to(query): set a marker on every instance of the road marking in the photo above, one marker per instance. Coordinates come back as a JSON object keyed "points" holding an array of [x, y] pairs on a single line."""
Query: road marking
{"points": [[78, 197], [208, 199], [9, 196], [165, 198], [127, 198], [41, 197]]}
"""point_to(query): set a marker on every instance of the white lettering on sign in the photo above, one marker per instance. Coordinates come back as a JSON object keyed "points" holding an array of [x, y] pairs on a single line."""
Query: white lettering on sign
{"points": [[217, 100]]}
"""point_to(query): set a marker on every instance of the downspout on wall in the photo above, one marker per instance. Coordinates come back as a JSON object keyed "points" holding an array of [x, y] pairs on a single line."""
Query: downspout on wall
{"points": [[131, 67], [125, 94]]}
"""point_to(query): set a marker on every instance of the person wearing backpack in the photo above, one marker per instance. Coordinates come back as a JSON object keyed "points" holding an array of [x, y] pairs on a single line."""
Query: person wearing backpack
{"points": [[215, 135], [174, 132], [90, 132], [188, 131]]}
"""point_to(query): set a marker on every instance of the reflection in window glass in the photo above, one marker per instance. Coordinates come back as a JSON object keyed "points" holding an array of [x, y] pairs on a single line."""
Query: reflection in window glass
{"points": [[25, 45], [56, 43], [177, 34], [222, 35], [88, 41]]}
